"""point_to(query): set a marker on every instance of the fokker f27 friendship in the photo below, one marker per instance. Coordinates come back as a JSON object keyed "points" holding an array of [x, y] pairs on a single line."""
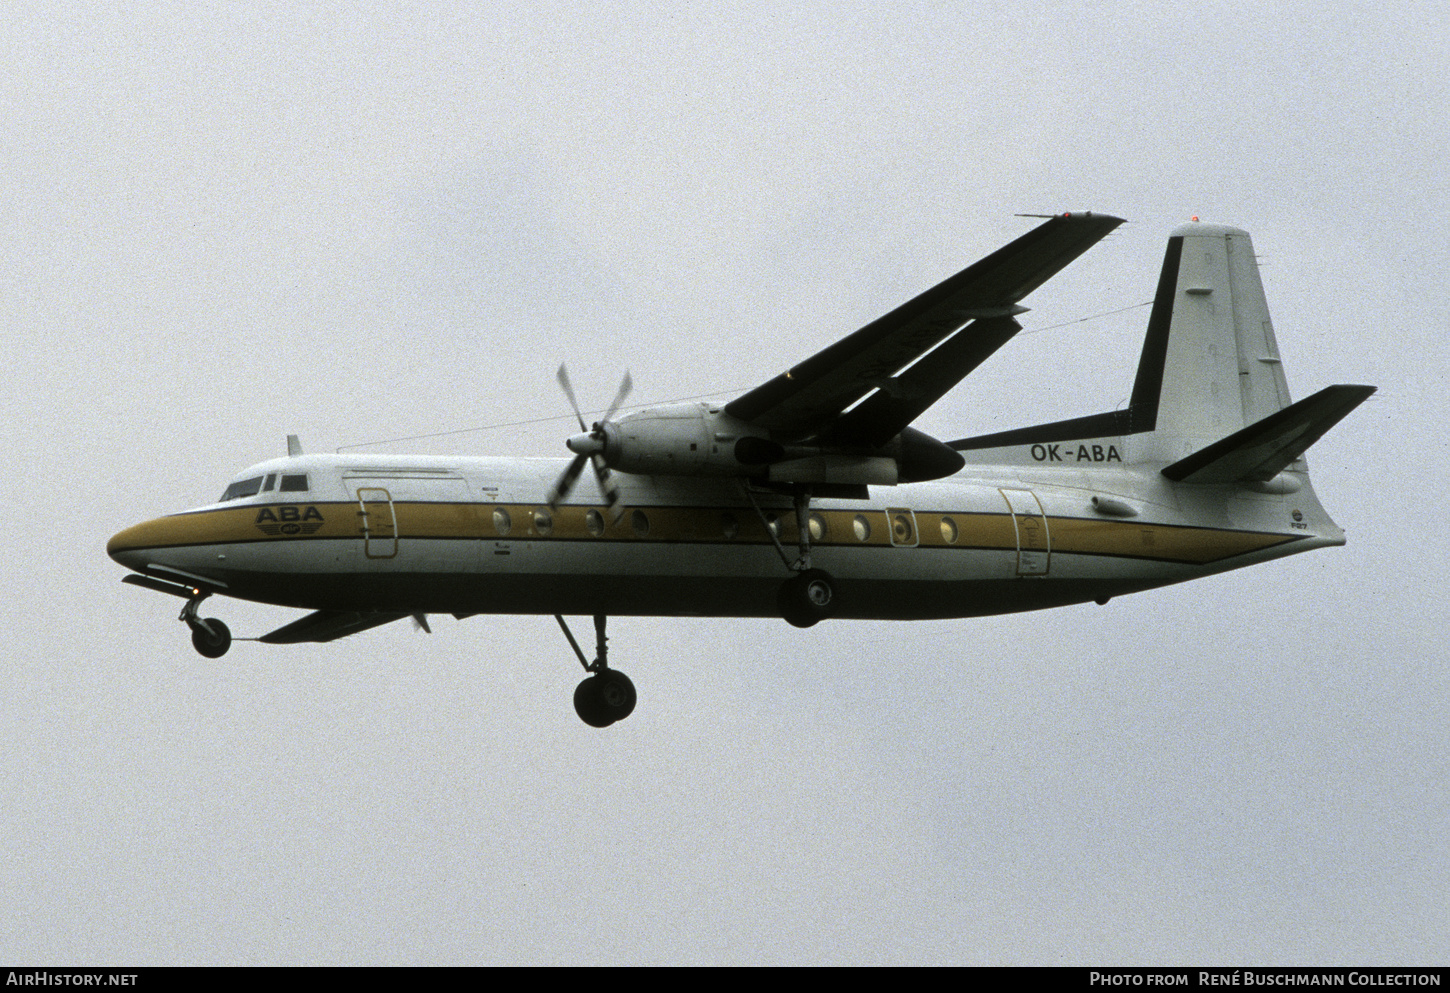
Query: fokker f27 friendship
{"points": [[810, 496]]}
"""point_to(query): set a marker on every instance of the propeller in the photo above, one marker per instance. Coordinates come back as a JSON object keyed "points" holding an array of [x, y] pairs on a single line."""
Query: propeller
{"points": [[588, 446]]}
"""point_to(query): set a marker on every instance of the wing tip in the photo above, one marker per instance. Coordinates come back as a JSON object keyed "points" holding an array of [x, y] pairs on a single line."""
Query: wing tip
{"points": [[1079, 216]]}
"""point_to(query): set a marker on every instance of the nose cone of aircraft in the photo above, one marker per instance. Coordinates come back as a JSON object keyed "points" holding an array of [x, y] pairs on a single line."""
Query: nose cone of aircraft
{"points": [[132, 547], [180, 547]]}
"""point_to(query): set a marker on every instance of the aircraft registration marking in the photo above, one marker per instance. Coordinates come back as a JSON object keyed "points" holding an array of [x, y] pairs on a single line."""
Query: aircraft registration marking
{"points": [[1075, 452]]}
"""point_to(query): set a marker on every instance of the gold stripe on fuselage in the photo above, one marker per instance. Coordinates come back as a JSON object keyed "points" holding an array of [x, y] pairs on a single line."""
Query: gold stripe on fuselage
{"points": [[705, 525]]}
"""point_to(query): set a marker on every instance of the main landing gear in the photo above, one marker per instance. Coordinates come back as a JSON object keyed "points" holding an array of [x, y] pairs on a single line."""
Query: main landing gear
{"points": [[209, 636], [606, 695], [809, 596], [806, 598]]}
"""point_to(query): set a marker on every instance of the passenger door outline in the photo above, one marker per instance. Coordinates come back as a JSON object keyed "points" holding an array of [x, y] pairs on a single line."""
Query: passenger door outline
{"points": [[1029, 520], [378, 522]]}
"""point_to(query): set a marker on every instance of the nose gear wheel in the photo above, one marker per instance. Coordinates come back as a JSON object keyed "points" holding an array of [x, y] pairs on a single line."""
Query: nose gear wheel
{"points": [[209, 636]]}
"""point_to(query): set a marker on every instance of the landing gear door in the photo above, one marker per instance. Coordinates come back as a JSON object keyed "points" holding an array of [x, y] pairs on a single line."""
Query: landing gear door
{"points": [[377, 522], [1034, 549]]}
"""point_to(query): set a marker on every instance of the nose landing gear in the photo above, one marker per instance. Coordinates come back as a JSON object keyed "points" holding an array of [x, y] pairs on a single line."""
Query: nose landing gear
{"points": [[606, 695], [209, 636]]}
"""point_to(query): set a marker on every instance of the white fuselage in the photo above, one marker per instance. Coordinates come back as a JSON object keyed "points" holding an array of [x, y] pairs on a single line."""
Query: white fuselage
{"points": [[474, 536]]}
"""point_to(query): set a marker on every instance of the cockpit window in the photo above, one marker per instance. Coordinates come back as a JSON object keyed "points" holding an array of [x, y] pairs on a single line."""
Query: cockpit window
{"points": [[243, 488]]}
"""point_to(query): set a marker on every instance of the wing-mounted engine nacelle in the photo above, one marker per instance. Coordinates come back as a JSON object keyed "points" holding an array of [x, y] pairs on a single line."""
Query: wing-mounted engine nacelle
{"points": [[696, 439], [911, 457], [684, 439]]}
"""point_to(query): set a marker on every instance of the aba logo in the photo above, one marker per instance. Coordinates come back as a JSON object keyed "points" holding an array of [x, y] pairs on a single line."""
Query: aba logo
{"points": [[288, 519]]}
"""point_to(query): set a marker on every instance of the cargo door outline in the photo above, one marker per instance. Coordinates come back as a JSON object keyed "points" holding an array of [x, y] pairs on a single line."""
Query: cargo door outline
{"points": [[378, 522], [1034, 544]]}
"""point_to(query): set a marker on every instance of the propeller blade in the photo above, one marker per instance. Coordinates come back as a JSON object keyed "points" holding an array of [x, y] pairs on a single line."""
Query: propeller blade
{"points": [[624, 388], [589, 448], [565, 484], [569, 392], [609, 488]]}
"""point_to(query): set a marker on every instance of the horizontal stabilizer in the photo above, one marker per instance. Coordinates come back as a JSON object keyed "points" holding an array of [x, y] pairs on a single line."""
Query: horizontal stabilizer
{"points": [[328, 625], [1266, 448]]}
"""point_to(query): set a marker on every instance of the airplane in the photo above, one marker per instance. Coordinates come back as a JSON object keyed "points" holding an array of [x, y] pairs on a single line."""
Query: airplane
{"points": [[810, 496]]}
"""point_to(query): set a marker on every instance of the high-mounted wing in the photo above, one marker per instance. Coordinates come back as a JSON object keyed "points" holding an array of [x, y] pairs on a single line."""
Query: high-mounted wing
{"points": [[969, 315], [887, 412]]}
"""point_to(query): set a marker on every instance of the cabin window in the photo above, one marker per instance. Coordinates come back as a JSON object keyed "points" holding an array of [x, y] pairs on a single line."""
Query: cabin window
{"points": [[640, 523], [502, 522], [861, 527], [817, 526], [243, 488], [294, 484], [902, 533], [543, 522], [948, 530], [594, 521], [729, 526]]}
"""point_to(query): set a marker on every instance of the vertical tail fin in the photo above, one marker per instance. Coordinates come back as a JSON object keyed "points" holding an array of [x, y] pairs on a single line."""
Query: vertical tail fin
{"points": [[1210, 364], [1210, 390]]}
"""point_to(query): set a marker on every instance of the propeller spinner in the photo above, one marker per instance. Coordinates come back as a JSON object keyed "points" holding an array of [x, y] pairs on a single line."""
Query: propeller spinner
{"points": [[588, 446]]}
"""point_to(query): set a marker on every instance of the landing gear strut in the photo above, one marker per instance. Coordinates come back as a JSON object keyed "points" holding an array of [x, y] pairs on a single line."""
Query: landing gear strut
{"points": [[808, 597], [209, 636], [606, 695]]}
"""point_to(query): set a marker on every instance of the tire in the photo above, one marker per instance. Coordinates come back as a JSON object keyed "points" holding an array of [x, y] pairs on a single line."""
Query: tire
{"points": [[807, 599], [604, 698], [589, 706], [212, 643], [616, 694]]}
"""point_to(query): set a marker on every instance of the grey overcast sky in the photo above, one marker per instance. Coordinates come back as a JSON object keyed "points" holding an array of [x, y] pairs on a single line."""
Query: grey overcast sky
{"points": [[224, 223]]}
